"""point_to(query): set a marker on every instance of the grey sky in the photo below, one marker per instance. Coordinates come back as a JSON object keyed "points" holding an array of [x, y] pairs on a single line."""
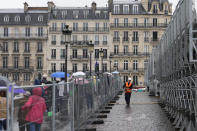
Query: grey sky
{"points": [[66, 3]]}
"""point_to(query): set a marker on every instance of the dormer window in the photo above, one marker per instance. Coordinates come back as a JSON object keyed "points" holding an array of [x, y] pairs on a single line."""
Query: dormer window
{"points": [[6, 19], [86, 13], [126, 9], [64, 13], [116, 9], [155, 11], [27, 18], [75, 14], [135, 9], [97, 13], [17, 18], [40, 18]]}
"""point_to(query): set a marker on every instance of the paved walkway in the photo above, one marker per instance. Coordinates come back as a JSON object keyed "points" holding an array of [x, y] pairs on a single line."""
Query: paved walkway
{"points": [[142, 115]]}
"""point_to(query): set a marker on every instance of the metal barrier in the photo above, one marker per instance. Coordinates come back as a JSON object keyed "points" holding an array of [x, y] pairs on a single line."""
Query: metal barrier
{"points": [[59, 107], [173, 65]]}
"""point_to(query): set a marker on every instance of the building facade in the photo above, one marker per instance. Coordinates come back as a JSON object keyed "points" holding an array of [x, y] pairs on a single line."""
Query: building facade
{"points": [[136, 27], [32, 42], [88, 24], [23, 40]]}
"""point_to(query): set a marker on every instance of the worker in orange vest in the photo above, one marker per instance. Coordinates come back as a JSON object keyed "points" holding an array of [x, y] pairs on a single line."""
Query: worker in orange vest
{"points": [[128, 90]]}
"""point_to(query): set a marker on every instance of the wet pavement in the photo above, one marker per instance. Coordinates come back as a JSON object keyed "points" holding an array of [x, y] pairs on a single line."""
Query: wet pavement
{"points": [[144, 114]]}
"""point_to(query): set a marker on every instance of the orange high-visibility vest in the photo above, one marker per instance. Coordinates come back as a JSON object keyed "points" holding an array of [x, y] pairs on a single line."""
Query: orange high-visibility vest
{"points": [[127, 88]]}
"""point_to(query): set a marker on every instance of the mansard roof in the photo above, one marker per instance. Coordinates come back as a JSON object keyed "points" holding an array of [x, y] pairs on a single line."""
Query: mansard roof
{"points": [[79, 13]]}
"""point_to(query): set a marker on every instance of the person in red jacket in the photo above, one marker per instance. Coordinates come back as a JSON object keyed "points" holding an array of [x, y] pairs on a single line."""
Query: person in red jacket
{"points": [[36, 106]]}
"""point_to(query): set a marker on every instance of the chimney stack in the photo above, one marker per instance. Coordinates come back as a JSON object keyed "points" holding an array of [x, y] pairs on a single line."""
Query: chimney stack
{"points": [[51, 5], [93, 6], [25, 7]]}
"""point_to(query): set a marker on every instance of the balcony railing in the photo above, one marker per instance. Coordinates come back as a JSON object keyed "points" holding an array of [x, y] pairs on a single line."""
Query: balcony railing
{"points": [[125, 39], [154, 39], [130, 70], [128, 54], [146, 39], [24, 36], [18, 69], [81, 29], [104, 42], [116, 39], [79, 57], [53, 42], [138, 25], [135, 39]]}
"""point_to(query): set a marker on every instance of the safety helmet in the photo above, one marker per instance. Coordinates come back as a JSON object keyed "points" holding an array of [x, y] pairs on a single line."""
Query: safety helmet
{"points": [[129, 79]]}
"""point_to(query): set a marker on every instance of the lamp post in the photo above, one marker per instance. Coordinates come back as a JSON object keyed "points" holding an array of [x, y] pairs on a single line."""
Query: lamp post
{"points": [[91, 49], [101, 54], [110, 64], [67, 40]]}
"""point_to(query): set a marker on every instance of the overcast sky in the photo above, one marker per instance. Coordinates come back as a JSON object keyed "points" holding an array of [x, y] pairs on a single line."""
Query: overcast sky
{"points": [[66, 3]]}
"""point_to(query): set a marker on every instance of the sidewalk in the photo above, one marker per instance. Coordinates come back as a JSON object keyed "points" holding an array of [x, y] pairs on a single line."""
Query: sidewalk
{"points": [[144, 114]]}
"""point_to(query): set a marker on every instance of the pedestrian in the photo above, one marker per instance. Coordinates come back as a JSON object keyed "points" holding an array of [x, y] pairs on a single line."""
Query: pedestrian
{"points": [[22, 113], [128, 90], [36, 106], [44, 79], [3, 110]]}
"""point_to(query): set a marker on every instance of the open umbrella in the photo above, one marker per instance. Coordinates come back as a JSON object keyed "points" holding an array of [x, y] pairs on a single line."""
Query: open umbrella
{"points": [[59, 75], [79, 74], [115, 72]]}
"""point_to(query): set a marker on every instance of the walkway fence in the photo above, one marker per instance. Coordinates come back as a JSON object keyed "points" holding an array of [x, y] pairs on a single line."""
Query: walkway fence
{"points": [[172, 70], [69, 106]]}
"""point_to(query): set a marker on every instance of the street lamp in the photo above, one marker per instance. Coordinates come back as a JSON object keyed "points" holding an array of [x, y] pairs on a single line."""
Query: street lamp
{"points": [[110, 64], [101, 54], [91, 49], [67, 40]]}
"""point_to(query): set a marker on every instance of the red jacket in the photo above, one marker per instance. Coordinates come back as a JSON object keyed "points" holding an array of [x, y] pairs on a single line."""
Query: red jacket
{"points": [[36, 106]]}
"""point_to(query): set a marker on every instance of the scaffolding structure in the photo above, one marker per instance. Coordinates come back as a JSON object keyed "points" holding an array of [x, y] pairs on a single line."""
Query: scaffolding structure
{"points": [[174, 65]]}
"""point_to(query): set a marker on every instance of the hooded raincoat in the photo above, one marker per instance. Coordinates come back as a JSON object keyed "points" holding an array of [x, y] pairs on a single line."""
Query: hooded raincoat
{"points": [[36, 106]]}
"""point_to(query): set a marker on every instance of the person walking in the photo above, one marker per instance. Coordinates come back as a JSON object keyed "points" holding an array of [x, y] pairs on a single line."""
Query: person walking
{"points": [[36, 106], [3, 110], [128, 90]]}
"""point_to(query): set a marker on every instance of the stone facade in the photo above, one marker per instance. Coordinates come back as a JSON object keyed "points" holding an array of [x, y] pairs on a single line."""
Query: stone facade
{"points": [[127, 31]]}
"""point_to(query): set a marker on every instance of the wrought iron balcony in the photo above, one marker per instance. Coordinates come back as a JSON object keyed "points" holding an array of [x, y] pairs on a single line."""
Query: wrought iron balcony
{"points": [[17, 69], [128, 54], [125, 39], [135, 39], [155, 39], [24, 36], [138, 25], [81, 29], [146, 39], [131, 70], [79, 57], [116, 39], [53, 42]]}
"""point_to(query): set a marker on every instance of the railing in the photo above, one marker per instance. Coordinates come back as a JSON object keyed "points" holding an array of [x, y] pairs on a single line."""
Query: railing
{"points": [[17, 69], [125, 39], [138, 25], [116, 39], [146, 39], [135, 39], [53, 42], [61, 106], [130, 70], [81, 29], [24, 36], [121, 54], [81, 57], [154, 39]]}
